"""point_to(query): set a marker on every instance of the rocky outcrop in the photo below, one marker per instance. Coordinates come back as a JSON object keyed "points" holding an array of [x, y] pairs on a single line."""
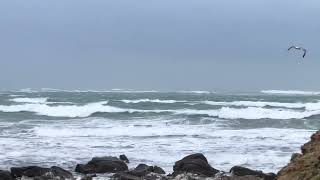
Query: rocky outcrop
{"points": [[142, 171], [305, 166], [196, 164], [36, 172], [242, 171], [124, 158], [102, 165], [5, 175]]}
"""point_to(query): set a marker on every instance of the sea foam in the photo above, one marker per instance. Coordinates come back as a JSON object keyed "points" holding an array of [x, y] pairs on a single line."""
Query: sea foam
{"points": [[150, 100], [290, 92]]}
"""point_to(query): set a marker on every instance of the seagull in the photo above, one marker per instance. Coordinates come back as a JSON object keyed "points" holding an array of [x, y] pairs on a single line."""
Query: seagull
{"points": [[299, 48]]}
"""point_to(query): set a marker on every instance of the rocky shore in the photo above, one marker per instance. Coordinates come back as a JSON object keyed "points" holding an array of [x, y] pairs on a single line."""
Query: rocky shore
{"points": [[304, 166]]}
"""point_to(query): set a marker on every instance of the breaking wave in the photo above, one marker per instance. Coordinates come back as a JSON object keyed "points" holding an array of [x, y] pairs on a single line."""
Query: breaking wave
{"points": [[87, 110], [195, 92], [150, 100], [290, 92], [257, 104]]}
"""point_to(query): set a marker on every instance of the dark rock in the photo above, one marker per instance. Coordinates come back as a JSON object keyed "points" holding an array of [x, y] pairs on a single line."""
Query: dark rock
{"points": [[195, 163], [124, 158], [142, 171], [59, 172], [88, 177], [125, 176], [5, 175], [158, 170], [30, 171], [102, 165], [39, 173], [242, 171]]}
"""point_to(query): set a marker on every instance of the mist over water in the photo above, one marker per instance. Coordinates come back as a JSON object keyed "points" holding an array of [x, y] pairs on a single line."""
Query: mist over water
{"points": [[257, 130]]}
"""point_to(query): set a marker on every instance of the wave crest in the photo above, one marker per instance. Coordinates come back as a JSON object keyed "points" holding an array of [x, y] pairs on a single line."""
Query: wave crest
{"points": [[290, 92]]}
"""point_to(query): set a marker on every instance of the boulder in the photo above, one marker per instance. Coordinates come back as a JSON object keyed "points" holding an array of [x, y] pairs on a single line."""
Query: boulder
{"points": [[41, 173], [242, 171], [124, 158], [5, 175], [59, 172], [196, 164], [29, 171], [102, 165], [142, 171]]}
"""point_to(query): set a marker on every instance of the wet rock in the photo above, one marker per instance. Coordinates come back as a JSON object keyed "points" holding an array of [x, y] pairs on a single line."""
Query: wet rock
{"points": [[242, 171], [124, 158], [306, 165], [30, 171], [142, 171], [39, 173], [59, 172], [88, 177], [158, 170], [102, 165], [5, 175], [196, 164]]}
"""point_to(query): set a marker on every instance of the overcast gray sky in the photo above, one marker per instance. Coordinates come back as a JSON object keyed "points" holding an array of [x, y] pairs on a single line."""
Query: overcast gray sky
{"points": [[159, 44]]}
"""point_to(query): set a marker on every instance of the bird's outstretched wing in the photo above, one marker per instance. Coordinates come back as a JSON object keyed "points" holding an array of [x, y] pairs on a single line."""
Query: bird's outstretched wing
{"points": [[304, 52], [291, 48]]}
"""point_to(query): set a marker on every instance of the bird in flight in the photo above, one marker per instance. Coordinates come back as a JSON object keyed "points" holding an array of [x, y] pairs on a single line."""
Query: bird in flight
{"points": [[299, 48]]}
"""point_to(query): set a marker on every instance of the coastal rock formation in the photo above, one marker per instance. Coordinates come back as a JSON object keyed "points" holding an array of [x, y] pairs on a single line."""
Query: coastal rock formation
{"points": [[142, 171], [5, 175], [102, 165], [305, 166], [124, 158], [36, 172], [196, 164], [242, 171]]}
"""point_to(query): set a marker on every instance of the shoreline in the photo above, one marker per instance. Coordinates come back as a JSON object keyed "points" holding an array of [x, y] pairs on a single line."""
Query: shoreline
{"points": [[195, 166]]}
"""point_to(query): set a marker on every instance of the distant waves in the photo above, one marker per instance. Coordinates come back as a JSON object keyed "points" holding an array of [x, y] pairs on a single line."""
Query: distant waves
{"points": [[224, 110]]}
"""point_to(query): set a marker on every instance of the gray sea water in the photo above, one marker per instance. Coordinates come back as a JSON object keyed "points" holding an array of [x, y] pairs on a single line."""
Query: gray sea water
{"points": [[257, 130]]}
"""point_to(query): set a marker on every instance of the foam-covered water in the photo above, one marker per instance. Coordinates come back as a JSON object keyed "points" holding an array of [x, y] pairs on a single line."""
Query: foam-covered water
{"points": [[58, 127]]}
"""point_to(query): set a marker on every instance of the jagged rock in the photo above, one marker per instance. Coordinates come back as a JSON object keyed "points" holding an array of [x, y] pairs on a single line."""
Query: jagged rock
{"points": [[305, 166], [88, 177], [59, 172], [242, 171], [30, 171], [124, 158], [141, 171], [39, 173], [195, 163], [158, 170], [102, 165], [5, 175]]}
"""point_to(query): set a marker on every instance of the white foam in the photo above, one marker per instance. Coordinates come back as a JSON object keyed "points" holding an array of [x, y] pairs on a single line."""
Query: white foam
{"points": [[290, 92], [150, 100], [196, 92], [256, 104], [40, 107], [267, 149], [63, 111], [30, 100]]}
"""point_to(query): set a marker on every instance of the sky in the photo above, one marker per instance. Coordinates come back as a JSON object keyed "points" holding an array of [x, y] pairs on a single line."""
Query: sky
{"points": [[159, 45]]}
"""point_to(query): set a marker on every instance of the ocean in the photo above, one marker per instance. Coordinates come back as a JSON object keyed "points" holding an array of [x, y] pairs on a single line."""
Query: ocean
{"points": [[259, 130]]}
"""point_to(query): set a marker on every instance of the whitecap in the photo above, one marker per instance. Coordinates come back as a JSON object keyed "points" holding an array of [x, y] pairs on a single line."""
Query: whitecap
{"points": [[150, 100], [256, 104], [290, 92]]}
